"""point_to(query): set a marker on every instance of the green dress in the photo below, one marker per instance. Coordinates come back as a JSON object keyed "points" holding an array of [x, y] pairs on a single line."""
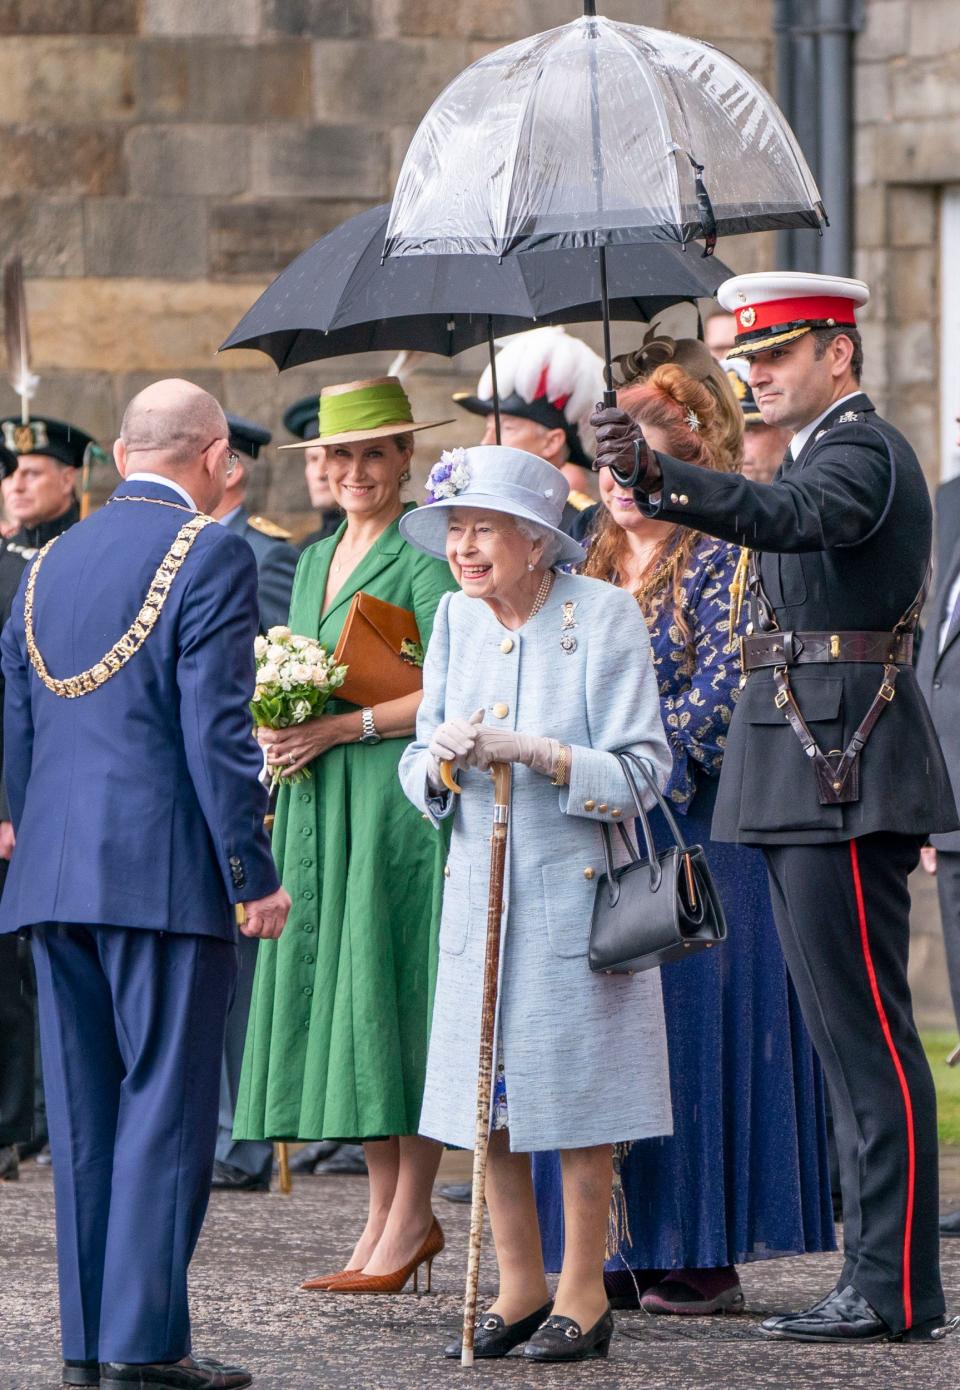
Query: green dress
{"points": [[340, 1017]]}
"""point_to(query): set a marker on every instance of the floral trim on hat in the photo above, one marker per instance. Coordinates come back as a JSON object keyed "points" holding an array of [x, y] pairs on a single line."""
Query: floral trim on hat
{"points": [[448, 477]]}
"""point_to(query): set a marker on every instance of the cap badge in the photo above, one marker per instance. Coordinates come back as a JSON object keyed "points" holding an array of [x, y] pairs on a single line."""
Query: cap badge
{"points": [[849, 417], [25, 439], [748, 317]]}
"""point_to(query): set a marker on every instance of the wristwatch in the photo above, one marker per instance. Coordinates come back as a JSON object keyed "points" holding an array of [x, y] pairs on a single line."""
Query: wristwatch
{"points": [[368, 730]]}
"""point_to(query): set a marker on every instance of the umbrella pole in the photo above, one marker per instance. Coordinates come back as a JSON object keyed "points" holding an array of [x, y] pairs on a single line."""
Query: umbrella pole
{"points": [[491, 969], [609, 395], [493, 376]]}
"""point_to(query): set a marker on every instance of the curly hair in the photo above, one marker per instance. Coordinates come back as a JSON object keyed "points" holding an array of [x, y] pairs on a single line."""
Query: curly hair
{"points": [[696, 430]]}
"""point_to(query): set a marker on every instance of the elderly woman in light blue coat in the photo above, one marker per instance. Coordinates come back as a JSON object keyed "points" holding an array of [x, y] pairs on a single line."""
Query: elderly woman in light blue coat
{"points": [[553, 673]]}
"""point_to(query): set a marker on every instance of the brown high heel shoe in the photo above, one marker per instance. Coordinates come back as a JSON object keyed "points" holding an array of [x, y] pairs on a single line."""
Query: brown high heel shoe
{"points": [[393, 1283], [326, 1281]]}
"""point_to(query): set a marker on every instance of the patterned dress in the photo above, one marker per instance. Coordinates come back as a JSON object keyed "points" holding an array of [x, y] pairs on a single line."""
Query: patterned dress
{"points": [[745, 1174]]}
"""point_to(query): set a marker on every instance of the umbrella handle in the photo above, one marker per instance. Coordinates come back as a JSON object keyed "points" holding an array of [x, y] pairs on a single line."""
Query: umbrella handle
{"points": [[448, 779]]}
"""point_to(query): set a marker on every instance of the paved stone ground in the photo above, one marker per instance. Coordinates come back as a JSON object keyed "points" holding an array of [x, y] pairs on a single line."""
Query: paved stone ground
{"points": [[247, 1307]]}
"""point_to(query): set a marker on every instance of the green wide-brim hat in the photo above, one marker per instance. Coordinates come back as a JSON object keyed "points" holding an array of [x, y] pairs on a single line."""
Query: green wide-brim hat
{"points": [[359, 410]]}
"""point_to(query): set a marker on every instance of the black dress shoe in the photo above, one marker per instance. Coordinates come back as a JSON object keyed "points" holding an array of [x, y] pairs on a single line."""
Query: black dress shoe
{"points": [[843, 1316], [187, 1374], [227, 1178], [458, 1192], [950, 1224], [493, 1337], [304, 1160], [348, 1159], [81, 1373], [561, 1339]]}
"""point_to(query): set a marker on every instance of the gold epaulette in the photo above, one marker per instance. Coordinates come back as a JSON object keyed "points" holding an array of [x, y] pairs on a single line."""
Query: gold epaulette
{"points": [[266, 527], [580, 501]]}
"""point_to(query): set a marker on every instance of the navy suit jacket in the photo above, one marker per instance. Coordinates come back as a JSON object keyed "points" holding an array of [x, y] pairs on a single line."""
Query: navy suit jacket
{"points": [[138, 804], [276, 566]]}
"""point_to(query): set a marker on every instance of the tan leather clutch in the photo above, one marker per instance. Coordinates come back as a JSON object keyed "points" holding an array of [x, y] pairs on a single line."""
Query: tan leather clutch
{"points": [[370, 647]]}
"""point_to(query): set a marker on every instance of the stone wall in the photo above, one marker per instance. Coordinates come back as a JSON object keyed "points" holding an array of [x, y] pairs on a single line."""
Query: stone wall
{"points": [[161, 160]]}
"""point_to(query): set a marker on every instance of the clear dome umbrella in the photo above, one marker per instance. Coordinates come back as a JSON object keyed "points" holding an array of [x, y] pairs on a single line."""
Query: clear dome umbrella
{"points": [[599, 133]]}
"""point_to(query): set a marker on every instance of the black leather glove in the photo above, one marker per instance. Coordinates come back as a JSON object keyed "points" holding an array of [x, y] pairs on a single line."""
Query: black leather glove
{"points": [[622, 448]]}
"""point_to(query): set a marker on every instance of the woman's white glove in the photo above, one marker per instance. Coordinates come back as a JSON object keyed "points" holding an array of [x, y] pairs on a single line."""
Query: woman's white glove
{"points": [[452, 742], [507, 746]]}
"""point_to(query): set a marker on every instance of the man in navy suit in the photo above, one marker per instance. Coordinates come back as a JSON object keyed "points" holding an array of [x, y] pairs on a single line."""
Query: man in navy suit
{"points": [[132, 775]]}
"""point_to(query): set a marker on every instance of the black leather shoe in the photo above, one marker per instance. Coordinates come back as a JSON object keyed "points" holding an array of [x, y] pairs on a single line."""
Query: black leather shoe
{"points": [[305, 1159], [493, 1337], [187, 1374], [950, 1224], [561, 1339], [227, 1178], [843, 1316], [458, 1192], [348, 1159], [81, 1373]]}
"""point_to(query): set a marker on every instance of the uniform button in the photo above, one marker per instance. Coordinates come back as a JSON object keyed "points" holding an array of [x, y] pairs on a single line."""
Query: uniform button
{"points": [[506, 646], [589, 805], [308, 990], [306, 863], [616, 812], [588, 872], [308, 927], [446, 870], [684, 499], [674, 498], [305, 796], [603, 806], [308, 960], [500, 710], [308, 894]]}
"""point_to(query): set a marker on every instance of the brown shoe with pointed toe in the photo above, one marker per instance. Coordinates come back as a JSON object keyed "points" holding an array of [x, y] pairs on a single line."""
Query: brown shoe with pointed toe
{"points": [[393, 1283]]}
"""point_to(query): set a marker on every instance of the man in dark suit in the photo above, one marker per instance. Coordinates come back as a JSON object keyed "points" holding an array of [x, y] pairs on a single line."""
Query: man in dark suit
{"points": [[938, 672], [832, 763], [132, 775]]}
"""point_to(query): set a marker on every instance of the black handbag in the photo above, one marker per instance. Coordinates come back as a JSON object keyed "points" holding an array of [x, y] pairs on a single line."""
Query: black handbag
{"points": [[654, 910]]}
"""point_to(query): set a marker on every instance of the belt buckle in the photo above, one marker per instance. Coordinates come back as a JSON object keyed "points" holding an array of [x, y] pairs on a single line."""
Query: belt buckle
{"points": [[887, 692], [781, 698], [743, 655], [834, 647]]}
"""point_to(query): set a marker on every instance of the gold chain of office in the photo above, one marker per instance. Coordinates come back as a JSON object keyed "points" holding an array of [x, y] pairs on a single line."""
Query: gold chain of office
{"points": [[114, 660]]}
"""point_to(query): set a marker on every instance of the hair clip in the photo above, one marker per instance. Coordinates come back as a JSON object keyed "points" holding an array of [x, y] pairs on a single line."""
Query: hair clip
{"points": [[692, 421]]}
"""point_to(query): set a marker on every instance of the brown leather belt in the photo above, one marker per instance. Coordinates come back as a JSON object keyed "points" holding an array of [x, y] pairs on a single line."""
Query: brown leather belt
{"points": [[824, 648]]}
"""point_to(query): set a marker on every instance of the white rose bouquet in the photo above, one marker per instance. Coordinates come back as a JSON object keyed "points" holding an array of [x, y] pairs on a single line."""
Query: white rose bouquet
{"points": [[295, 679]]}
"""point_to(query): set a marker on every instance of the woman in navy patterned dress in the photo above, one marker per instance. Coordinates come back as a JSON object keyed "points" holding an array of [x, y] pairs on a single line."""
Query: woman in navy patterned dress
{"points": [[745, 1175]]}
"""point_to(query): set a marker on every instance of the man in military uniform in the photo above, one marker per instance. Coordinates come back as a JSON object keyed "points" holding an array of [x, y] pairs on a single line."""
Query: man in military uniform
{"points": [[547, 382], [763, 445], [301, 420], [40, 461], [832, 763], [245, 1164]]}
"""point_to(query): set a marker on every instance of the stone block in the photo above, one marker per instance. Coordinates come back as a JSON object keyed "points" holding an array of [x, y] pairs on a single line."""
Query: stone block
{"points": [[874, 337], [913, 282], [162, 327], [389, 80], [61, 159], [318, 19], [226, 17], [705, 19], [919, 151], [536, 15], [864, 155], [913, 352], [334, 161], [751, 53], [913, 216], [159, 237], [261, 238], [932, 27], [97, 73], [885, 33], [870, 215], [69, 16], [204, 160], [871, 92], [219, 81], [927, 87], [494, 19], [47, 232]]}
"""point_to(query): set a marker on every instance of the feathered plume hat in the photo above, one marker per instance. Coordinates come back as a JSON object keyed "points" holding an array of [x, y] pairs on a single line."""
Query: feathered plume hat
{"points": [[547, 376]]}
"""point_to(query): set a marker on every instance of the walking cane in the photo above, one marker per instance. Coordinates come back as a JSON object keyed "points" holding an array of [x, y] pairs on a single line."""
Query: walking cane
{"points": [[491, 968]]}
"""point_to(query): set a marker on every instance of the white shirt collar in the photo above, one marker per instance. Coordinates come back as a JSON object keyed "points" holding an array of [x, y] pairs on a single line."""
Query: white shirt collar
{"points": [[163, 482], [801, 436]]}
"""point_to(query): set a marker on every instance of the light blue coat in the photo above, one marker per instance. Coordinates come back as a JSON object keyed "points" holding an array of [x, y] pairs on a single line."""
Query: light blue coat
{"points": [[585, 1055]]}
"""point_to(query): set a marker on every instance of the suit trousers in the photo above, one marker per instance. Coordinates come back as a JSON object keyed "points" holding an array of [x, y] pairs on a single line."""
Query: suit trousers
{"points": [[131, 1035], [17, 1070], [843, 914], [252, 1156], [948, 891]]}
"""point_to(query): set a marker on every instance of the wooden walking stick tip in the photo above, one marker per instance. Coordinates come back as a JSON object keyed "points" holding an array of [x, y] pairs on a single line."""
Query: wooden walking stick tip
{"points": [[466, 1357]]}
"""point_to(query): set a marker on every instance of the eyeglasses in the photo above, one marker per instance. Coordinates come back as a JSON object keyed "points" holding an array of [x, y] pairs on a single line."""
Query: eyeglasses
{"points": [[233, 458]]}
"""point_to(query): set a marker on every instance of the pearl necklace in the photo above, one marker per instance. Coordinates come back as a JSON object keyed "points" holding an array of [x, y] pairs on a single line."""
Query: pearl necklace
{"points": [[546, 584]]}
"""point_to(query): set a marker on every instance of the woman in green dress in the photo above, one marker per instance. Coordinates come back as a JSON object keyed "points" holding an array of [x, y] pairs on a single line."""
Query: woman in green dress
{"points": [[337, 1040]]}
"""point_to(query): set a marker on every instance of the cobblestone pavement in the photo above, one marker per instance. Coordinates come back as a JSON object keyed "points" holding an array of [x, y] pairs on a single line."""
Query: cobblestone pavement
{"points": [[248, 1308]]}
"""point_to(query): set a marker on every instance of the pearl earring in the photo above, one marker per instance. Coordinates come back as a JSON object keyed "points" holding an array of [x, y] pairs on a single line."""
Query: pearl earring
{"points": [[531, 566], [405, 476]]}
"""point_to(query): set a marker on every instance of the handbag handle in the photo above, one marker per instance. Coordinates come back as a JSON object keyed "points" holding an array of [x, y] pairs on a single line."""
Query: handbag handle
{"points": [[628, 757], [613, 886]]}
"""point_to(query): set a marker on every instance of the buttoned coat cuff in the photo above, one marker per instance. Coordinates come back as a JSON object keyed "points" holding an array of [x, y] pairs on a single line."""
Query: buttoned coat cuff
{"points": [[598, 789]]}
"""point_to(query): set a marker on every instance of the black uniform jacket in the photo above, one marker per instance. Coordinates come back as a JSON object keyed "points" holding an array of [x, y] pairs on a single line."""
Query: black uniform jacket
{"points": [[844, 533], [938, 671]]}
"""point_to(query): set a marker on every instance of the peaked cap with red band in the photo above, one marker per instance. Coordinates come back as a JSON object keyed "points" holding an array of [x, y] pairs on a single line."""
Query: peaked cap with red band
{"points": [[774, 307]]}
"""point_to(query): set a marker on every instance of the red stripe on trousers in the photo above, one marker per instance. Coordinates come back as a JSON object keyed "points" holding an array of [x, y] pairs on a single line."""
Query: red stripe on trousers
{"points": [[901, 1077]]}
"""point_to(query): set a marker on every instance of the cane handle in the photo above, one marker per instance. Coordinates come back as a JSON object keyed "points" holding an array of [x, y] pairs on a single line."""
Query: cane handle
{"points": [[448, 779]]}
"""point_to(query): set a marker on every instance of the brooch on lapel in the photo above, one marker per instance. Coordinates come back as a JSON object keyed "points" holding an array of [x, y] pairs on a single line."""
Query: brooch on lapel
{"points": [[568, 622]]}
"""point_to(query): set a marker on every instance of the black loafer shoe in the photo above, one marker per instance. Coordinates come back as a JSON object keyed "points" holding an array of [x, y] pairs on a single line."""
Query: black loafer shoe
{"points": [[227, 1178], [305, 1159], [843, 1316], [348, 1159], [950, 1224], [561, 1339], [458, 1192], [81, 1373], [187, 1374], [493, 1337]]}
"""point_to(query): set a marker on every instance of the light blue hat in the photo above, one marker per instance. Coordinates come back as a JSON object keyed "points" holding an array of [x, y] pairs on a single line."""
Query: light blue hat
{"points": [[491, 478]]}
